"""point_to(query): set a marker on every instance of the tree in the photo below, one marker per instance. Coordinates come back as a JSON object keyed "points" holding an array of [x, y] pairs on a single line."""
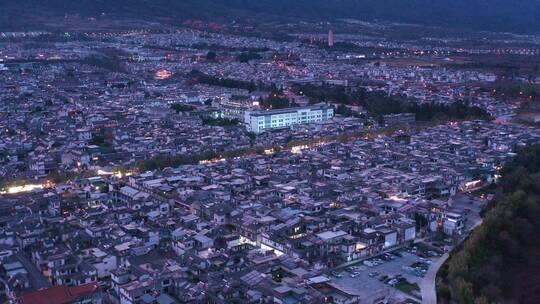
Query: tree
{"points": [[277, 274], [97, 140], [211, 56], [179, 107], [248, 56], [220, 121], [421, 221], [344, 111], [444, 294], [275, 102], [220, 242]]}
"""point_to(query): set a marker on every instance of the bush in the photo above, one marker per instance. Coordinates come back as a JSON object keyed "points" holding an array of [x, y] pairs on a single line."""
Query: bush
{"points": [[443, 293]]}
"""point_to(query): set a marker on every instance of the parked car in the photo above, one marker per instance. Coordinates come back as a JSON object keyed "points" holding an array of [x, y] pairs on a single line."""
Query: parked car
{"points": [[369, 263], [337, 274]]}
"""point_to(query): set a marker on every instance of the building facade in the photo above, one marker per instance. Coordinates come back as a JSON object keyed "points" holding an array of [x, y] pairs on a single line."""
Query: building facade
{"points": [[259, 121]]}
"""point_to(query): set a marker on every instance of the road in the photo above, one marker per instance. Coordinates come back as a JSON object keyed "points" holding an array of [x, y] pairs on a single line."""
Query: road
{"points": [[37, 280], [427, 285]]}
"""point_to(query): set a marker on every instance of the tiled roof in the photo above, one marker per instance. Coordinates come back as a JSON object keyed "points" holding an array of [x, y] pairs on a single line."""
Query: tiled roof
{"points": [[58, 294]]}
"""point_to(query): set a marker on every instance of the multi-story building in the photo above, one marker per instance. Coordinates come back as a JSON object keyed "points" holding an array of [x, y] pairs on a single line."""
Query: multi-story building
{"points": [[234, 109], [259, 121]]}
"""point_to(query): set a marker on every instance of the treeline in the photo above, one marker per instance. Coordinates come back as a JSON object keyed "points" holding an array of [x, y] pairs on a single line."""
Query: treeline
{"points": [[248, 56], [337, 94], [345, 111], [219, 121], [378, 103], [108, 58], [500, 261], [200, 77], [436, 111], [111, 63], [276, 102], [224, 48], [164, 161]]}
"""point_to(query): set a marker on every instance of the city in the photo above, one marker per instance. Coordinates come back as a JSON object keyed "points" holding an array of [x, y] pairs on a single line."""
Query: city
{"points": [[245, 161]]}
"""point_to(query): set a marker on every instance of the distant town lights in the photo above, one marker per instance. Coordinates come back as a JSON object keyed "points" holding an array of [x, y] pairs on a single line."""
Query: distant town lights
{"points": [[162, 74]]}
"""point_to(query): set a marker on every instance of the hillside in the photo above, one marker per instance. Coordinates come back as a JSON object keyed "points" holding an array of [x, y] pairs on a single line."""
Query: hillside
{"points": [[493, 15], [500, 262]]}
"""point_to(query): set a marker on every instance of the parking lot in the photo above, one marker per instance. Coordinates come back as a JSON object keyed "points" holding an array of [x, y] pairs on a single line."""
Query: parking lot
{"points": [[383, 278], [398, 275]]}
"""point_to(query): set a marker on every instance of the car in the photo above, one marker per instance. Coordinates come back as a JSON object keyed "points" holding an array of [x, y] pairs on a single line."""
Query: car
{"points": [[336, 274], [373, 274], [386, 257], [370, 263], [437, 244], [392, 282]]}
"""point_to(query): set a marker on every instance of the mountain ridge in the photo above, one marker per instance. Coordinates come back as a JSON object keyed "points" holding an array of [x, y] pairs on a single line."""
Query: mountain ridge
{"points": [[519, 16]]}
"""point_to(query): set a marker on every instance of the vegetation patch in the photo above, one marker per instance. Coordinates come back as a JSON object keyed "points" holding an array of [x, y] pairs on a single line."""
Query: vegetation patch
{"points": [[492, 265]]}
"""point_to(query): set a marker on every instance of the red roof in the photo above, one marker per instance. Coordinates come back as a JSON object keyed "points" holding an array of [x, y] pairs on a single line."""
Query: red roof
{"points": [[58, 294]]}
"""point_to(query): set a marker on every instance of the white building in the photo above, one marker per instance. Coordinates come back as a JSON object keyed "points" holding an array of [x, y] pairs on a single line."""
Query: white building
{"points": [[453, 223], [102, 261], [259, 121], [390, 237]]}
